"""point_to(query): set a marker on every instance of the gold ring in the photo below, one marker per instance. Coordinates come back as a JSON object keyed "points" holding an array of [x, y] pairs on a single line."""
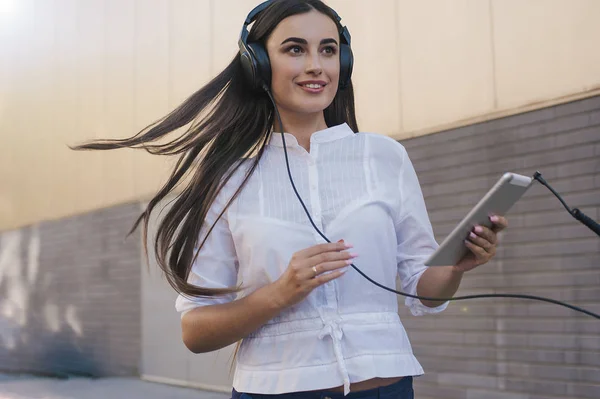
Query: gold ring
{"points": [[315, 270]]}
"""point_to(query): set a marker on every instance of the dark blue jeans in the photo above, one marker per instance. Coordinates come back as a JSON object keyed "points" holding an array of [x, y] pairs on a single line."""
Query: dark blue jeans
{"points": [[403, 389]]}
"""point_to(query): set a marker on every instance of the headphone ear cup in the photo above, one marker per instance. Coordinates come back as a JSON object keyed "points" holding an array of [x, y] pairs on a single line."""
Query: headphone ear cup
{"points": [[249, 67], [346, 65], [262, 66]]}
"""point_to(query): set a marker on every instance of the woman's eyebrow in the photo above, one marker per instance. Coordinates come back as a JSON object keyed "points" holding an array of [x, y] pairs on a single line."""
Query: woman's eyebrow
{"points": [[303, 41]]}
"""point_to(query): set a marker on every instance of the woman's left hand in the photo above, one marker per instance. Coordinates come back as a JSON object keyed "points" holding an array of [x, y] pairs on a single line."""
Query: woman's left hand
{"points": [[482, 242]]}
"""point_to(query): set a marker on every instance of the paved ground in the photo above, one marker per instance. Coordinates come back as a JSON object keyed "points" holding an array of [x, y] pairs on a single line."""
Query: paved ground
{"points": [[27, 387]]}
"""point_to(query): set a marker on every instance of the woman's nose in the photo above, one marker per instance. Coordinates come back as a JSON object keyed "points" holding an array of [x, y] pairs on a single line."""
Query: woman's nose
{"points": [[313, 65]]}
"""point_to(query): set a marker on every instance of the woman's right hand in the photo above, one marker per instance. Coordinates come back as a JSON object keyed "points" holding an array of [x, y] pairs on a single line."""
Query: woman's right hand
{"points": [[309, 269]]}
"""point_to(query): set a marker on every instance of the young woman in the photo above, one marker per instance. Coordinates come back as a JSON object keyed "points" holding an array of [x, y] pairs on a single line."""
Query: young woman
{"points": [[309, 326]]}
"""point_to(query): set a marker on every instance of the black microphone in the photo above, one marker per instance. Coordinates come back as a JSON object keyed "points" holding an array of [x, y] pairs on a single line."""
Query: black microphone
{"points": [[576, 213], [588, 221]]}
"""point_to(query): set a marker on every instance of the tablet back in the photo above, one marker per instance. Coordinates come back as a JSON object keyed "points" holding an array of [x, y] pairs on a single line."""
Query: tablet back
{"points": [[498, 200]]}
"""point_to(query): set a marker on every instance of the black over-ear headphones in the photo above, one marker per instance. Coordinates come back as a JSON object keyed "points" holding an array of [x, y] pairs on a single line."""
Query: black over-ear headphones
{"points": [[255, 59]]}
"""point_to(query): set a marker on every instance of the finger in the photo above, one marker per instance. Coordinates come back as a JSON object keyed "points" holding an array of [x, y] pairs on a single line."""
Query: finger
{"points": [[322, 248], [479, 252], [325, 278], [325, 268], [482, 242], [320, 259], [500, 223], [486, 233]]}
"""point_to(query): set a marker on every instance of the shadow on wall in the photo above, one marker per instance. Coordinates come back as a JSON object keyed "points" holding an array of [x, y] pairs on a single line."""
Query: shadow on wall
{"points": [[69, 296]]}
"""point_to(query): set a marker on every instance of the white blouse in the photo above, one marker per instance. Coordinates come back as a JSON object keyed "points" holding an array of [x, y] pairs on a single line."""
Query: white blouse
{"points": [[358, 187]]}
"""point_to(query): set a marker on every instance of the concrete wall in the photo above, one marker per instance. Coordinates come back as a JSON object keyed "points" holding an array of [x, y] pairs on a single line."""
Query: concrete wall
{"points": [[76, 70], [516, 349], [164, 356], [70, 295]]}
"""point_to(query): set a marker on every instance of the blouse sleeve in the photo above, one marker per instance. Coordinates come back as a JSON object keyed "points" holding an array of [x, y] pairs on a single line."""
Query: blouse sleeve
{"points": [[216, 265], [415, 237]]}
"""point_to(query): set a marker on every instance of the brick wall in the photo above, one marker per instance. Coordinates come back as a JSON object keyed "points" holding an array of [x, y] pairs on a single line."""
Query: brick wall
{"points": [[70, 295], [500, 349]]}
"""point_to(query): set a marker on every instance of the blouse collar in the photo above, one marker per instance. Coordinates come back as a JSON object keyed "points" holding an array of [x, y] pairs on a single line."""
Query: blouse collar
{"points": [[322, 136]]}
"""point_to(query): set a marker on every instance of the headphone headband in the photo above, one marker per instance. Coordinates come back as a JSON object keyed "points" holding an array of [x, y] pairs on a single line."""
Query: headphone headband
{"points": [[252, 15], [255, 11]]}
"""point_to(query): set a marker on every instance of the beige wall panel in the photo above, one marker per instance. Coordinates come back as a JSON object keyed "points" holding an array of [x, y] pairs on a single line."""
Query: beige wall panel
{"points": [[190, 48], [375, 75], [7, 176], [143, 92], [66, 164], [117, 166], [227, 17], [152, 78], [35, 120], [47, 149], [91, 94], [12, 28], [445, 57], [545, 49]]}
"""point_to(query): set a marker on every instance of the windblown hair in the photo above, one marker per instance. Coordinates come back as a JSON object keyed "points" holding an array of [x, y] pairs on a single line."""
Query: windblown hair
{"points": [[227, 121]]}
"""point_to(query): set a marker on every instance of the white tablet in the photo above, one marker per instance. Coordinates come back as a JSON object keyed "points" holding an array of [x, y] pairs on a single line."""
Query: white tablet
{"points": [[498, 200]]}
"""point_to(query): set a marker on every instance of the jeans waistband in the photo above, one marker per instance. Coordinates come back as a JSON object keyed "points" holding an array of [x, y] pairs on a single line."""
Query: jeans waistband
{"points": [[405, 384]]}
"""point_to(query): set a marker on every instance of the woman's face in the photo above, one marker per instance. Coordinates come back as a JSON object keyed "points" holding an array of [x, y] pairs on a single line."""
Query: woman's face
{"points": [[304, 54]]}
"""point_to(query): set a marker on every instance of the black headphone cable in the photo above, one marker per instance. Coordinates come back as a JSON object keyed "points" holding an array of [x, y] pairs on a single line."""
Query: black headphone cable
{"points": [[458, 298]]}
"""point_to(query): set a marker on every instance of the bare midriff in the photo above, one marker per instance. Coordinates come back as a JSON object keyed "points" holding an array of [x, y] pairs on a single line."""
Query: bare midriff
{"points": [[367, 384]]}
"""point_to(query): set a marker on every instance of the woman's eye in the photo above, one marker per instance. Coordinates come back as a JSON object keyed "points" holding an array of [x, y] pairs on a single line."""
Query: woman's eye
{"points": [[330, 50], [295, 50]]}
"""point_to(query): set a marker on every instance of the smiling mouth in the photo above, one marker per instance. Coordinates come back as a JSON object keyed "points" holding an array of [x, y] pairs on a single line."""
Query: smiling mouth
{"points": [[312, 87]]}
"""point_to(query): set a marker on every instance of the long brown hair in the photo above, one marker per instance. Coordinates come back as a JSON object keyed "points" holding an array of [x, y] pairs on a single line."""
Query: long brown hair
{"points": [[227, 121]]}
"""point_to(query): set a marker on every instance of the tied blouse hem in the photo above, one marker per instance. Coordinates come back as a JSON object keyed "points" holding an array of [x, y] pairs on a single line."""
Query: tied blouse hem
{"points": [[318, 377]]}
